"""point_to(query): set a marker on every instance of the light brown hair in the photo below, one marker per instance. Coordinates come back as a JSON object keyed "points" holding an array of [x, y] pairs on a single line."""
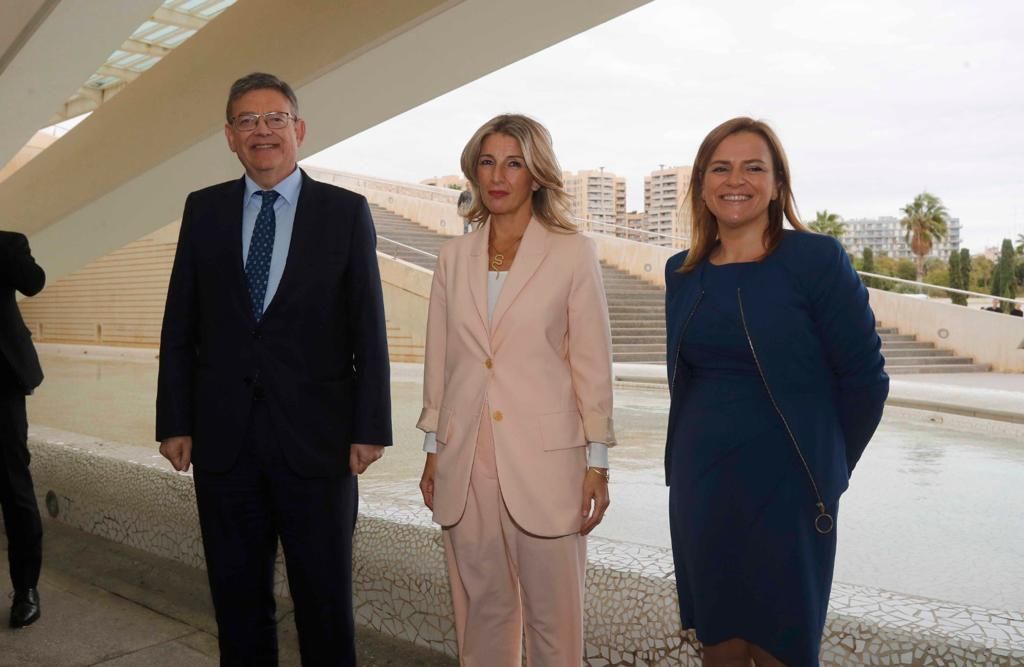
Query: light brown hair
{"points": [[550, 203], [703, 225]]}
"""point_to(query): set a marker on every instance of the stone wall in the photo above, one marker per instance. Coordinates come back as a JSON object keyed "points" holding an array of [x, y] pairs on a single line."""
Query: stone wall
{"points": [[130, 495]]}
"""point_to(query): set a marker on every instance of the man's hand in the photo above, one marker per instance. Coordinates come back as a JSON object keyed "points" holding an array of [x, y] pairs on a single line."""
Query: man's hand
{"points": [[595, 501], [361, 456], [178, 450], [427, 481]]}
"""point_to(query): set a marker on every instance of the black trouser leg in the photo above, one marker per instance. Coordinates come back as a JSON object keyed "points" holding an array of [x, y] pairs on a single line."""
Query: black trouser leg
{"points": [[240, 543], [17, 496]]}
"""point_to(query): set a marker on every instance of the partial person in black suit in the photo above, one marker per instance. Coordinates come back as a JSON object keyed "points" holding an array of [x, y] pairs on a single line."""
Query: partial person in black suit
{"points": [[274, 381], [19, 375]]}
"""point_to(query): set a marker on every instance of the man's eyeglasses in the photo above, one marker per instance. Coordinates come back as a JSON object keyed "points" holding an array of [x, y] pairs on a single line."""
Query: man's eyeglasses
{"points": [[275, 120]]}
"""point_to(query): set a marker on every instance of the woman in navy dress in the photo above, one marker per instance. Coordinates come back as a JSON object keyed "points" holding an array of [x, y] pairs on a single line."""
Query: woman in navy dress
{"points": [[777, 385]]}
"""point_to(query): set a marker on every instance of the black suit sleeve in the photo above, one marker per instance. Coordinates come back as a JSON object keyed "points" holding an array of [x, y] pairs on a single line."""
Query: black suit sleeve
{"points": [[371, 397], [178, 339], [19, 269]]}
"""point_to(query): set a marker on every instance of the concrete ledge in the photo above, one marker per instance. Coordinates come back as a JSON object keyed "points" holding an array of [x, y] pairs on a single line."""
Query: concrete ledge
{"points": [[129, 495]]}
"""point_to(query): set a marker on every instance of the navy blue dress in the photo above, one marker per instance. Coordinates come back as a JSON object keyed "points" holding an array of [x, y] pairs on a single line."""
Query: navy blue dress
{"points": [[749, 563]]}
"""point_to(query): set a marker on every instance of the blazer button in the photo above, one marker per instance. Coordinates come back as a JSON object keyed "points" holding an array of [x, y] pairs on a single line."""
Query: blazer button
{"points": [[488, 363], [498, 416]]}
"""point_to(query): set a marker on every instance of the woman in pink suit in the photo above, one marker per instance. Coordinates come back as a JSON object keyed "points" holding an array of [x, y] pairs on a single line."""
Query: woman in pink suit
{"points": [[517, 404]]}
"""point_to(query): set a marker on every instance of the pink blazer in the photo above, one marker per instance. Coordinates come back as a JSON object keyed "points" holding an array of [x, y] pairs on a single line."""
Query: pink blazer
{"points": [[541, 369]]}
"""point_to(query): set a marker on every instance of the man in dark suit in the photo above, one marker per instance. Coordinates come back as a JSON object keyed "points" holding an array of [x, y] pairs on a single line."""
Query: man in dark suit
{"points": [[274, 381], [19, 375]]}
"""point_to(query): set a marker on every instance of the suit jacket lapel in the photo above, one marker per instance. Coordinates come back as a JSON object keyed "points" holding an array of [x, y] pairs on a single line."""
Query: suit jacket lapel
{"points": [[478, 273], [531, 251], [231, 210]]}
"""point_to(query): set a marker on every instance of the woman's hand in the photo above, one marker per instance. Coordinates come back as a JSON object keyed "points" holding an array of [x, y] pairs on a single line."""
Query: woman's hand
{"points": [[595, 499], [427, 481]]}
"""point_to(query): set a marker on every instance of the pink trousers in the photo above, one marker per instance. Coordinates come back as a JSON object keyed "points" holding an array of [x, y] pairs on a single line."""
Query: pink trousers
{"points": [[504, 579]]}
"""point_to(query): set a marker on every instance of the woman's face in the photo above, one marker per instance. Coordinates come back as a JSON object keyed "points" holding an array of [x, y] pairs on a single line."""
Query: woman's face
{"points": [[506, 186], [739, 181]]}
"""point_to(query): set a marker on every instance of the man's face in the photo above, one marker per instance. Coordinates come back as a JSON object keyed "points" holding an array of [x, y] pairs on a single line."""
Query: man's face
{"points": [[267, 155]]}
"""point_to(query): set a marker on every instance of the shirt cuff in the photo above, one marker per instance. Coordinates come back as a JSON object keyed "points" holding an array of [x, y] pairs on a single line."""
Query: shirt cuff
{"points": [[430, 442], [597, 455]]}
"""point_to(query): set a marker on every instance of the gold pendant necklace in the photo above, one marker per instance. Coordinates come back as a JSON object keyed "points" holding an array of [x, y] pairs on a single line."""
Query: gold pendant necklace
{"points": [[498, 258]]}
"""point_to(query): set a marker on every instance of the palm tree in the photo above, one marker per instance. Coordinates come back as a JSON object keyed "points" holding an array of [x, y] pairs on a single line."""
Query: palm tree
{"points": [[925, 221], [1020, 244], [828, 223]]}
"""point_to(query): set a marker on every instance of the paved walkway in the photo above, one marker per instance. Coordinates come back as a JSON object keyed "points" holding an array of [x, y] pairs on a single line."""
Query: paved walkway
{"points": [[997, 396], [111, 605]]}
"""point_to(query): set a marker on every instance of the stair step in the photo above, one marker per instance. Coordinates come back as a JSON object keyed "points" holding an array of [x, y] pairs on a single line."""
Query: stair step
{"points": [[939, 368], [898, 345], [927, 361], [911, 352]]}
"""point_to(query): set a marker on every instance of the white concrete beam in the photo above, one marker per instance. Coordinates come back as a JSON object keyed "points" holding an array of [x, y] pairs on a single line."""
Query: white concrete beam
{"points": [[125, 170], [51, 63]]}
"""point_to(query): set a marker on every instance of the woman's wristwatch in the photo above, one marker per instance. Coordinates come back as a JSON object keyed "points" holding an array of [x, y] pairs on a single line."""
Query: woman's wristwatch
{"points": [[603, 472]]}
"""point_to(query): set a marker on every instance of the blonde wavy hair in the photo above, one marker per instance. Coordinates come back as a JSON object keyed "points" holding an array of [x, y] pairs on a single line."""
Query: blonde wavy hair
{"points": [[551, 204], [703, 226]]}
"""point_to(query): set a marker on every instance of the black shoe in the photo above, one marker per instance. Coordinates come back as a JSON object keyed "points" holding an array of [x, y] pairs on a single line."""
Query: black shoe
{"points": [[25, 610]]}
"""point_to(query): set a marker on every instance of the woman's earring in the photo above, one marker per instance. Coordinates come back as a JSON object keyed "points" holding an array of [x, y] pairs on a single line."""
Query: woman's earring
{"points": [[536, 186]]}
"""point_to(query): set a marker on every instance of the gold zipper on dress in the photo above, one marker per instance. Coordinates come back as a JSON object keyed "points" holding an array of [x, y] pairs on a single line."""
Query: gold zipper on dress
{"points": [[824, 522]]}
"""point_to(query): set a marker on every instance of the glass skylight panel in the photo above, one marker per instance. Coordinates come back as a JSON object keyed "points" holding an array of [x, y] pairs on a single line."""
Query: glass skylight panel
{"points": [[144, 28], [175, 40], [212, 11], [157, 35]]}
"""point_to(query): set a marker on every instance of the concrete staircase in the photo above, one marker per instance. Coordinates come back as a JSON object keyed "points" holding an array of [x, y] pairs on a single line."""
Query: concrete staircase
{"points": [[401, 347], [905, 354], [393, 227], [636, 308]]}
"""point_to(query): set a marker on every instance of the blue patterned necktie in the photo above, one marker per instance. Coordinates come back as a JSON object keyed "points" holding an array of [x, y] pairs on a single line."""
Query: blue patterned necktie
{"points": [[261, 247]]}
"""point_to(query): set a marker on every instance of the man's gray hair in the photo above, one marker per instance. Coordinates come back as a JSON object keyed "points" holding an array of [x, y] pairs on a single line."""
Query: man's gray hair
{"points": [[260, 81]]}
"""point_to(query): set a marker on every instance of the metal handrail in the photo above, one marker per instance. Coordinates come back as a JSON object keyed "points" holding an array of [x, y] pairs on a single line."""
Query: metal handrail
{"points": [[940, 287], [630, 229], [407, 247]]}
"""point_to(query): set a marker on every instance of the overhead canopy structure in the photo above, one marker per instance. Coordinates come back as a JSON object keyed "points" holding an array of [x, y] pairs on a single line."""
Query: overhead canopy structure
{"points": [[123, 172]]}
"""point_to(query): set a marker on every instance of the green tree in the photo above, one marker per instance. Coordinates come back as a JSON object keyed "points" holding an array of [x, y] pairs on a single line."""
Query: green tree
{"points": [[1020, 244], [867, 265], [956, 279], [925, 221], [965, 268], [981, 269], [1004, 277], [907, 270], [830, 224]]}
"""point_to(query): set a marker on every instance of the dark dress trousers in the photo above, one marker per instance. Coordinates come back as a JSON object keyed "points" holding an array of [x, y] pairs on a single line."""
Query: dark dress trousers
{"points": [[19, 375], [272, 408]]}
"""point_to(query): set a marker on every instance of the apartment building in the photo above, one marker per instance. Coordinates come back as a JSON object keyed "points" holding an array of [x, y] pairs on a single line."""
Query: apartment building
{"points": [[664, 191], [886, 235]]}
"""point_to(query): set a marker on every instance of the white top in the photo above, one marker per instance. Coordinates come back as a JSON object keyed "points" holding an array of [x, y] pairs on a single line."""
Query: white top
{"points": [[597, 452]]}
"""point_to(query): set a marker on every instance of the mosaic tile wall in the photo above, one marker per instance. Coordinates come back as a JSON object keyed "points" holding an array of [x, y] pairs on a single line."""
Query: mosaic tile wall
{"points": [[130, 495]]}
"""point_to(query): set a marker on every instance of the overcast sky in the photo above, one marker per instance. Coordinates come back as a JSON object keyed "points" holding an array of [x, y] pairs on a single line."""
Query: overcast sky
{"points": [[874, 101]]}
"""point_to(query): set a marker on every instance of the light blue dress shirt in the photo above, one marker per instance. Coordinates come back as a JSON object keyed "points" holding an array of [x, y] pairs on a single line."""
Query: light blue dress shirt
{"points": [[284, 214]]}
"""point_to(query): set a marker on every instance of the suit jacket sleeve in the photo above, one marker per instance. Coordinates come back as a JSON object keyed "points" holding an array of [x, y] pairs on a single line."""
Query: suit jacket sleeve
{"points": [[178, 339], [19, 269], [846, 327], [590, 346], [434, 351], [371, 414]]}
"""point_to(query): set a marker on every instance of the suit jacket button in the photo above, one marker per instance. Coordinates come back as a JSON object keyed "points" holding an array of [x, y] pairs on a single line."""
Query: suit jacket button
{"points": [[498, 416], [488, 363]]}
